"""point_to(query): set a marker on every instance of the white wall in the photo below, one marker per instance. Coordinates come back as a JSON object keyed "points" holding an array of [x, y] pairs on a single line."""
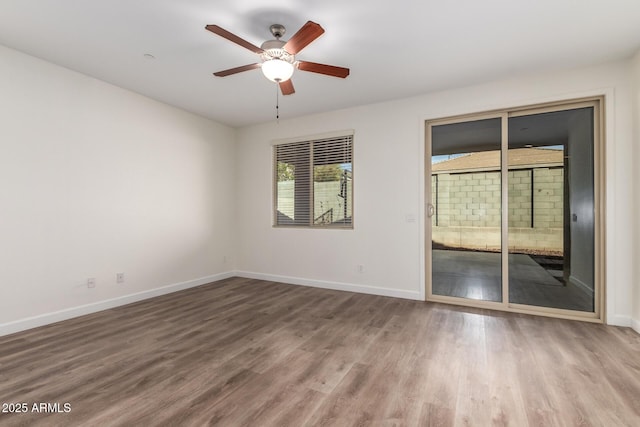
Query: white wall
{"points": [[636, 111], [96, 180], [386, 140], [388, 166]]}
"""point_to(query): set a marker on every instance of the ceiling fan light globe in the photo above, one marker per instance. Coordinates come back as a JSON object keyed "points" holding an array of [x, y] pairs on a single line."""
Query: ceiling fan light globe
{"points": [[277, 70]]}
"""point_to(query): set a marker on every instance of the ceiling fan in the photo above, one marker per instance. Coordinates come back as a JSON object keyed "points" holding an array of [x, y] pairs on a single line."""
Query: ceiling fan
{"points": [[278, 57]]}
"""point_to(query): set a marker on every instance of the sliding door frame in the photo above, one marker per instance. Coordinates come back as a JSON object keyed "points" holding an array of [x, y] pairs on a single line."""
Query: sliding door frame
{"points": [[597, 103]]}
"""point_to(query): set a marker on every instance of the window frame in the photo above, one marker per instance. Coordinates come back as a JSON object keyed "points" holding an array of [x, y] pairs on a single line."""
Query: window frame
{"points": [[311, 139]]}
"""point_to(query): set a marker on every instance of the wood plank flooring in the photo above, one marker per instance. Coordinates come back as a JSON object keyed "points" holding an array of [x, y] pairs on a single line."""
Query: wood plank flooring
{"points": [[244, 352]]}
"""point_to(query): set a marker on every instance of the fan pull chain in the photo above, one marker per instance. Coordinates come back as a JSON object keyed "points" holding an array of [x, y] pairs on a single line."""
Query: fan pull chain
{"points": [[277, 103]]}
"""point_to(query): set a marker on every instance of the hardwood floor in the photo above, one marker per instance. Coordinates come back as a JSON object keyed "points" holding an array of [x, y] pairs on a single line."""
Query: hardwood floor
{"points": [[246, 352]]}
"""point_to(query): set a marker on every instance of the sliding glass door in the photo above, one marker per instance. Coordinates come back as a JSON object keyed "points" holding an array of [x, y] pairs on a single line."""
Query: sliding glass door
{"points": [[465, 209], [512, 210], [551, 209]]}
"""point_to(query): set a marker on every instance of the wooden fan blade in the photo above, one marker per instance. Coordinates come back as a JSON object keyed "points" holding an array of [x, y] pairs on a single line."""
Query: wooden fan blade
{"points": [[287, 87], [236, 70], [305, 35], [233, 38], [329, 70]]}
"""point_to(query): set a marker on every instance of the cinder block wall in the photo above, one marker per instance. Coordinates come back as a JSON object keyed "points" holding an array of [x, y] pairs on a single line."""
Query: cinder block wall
{"points": [[468, 209]]}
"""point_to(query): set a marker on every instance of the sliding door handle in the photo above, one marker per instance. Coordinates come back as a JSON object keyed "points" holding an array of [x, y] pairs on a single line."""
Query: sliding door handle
{"points": [[430, 210]]}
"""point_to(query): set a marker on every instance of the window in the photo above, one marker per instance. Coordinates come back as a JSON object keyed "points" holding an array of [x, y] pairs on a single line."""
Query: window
{"points": [[314, 182]]}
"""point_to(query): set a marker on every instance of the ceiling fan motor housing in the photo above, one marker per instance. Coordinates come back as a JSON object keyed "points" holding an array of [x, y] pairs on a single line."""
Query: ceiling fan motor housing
{"points": [[273, 50]]}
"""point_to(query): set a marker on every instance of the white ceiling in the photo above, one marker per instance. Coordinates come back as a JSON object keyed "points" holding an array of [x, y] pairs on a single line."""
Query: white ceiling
{"points": [[394, 49]]}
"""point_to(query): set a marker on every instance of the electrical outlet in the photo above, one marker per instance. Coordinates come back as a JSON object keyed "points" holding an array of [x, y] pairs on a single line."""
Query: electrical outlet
{"points": [[91, 282], [120, 278], [360, 268]]}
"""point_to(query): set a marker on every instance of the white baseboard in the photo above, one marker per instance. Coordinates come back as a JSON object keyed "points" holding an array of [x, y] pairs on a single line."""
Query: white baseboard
{"points": [[338, 286], [618, 320], [57, 316]]}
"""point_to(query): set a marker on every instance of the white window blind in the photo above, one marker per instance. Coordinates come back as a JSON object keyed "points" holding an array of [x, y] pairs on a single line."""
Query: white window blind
{"points": [[314, 182]]}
